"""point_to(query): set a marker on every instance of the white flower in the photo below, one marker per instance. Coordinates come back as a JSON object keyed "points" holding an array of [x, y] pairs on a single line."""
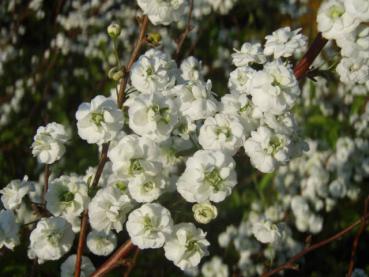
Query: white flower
{"points": [[186, 246], [153, 116], [266, 232], [13, 193], [285, 43], [215, 268], [337, 188], [242, 106], [48, 144], [152, 72], [9, 229], [101, 243], [222, 132], [108, 209], [358, 9], [67, 196], [149, 226], [67, 268], [239, 80], [162, 12], [133, 155], [249, 53], [333, 20], [209, 175], [283, 124], [267, 149], [191, 69], [204, 212], [51, 239], [353, 70], [146, 188], [355, 44], [274, 89], [196, 99], [99, 121]]}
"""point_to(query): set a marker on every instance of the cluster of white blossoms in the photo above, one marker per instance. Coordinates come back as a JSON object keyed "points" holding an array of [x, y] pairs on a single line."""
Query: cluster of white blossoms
{"points": [[345, 21], [261, 101], [49, 143], [163, 12]]}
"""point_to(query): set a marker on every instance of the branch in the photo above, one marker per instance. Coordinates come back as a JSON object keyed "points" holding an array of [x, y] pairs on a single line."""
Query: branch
{"points": [[133, 262], [144, 21], [104, 153], [357, 238], [302, 68], [113, 261], [186, 31], [290, 263], [46, 184]]}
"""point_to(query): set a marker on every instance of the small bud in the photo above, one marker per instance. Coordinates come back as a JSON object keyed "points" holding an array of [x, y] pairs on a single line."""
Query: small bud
{"points": [[114, 30], [154, 38], [204, 212], [115, 73]]}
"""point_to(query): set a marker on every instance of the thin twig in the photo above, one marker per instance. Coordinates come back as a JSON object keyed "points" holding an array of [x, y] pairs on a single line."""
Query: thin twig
{"points": [[104, 153], [290, 264], [46, 182], [302, 68], [185, 33], [355, 244], [113, 261], [132, 264]]}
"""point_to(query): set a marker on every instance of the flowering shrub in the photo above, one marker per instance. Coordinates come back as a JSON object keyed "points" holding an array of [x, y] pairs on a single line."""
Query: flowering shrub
{"points": [[192, 147]]}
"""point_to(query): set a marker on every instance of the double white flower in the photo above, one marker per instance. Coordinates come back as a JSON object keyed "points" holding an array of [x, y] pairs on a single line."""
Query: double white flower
{"points": [[149, 226], [153, 116], [186, 246], [222, 132], [267, 149], [108, 209], [163, 12], [209, 175], [67, 196], [154, 71], [51, 239], [48, 143], [99, 121], [274, 89]]}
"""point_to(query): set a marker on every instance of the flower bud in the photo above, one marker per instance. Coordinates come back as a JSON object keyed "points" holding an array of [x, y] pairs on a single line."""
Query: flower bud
{"points": [[204, 212], [154, 37], [114, 30], [115, 73]]}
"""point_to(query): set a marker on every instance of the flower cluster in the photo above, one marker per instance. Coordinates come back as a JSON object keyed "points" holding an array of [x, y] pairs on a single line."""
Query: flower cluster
{"points": [[345, 21], [262, 99]]}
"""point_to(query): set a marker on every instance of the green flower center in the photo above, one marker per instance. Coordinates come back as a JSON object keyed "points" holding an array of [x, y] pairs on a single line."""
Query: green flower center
{"points": [[214, 180], [135, 167], [66, 196], [122, 186], [275, 144], [226, 131], [149, 186], [97, 118], [336, 12]]}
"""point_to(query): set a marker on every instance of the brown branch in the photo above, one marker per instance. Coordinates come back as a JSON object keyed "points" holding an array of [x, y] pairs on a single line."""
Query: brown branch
{"points": [[355, 244], [104, 153], [185, 33], [302, 68], [144, 21], [114, 259], [132, 264], [290, 263], [46, 184]]}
